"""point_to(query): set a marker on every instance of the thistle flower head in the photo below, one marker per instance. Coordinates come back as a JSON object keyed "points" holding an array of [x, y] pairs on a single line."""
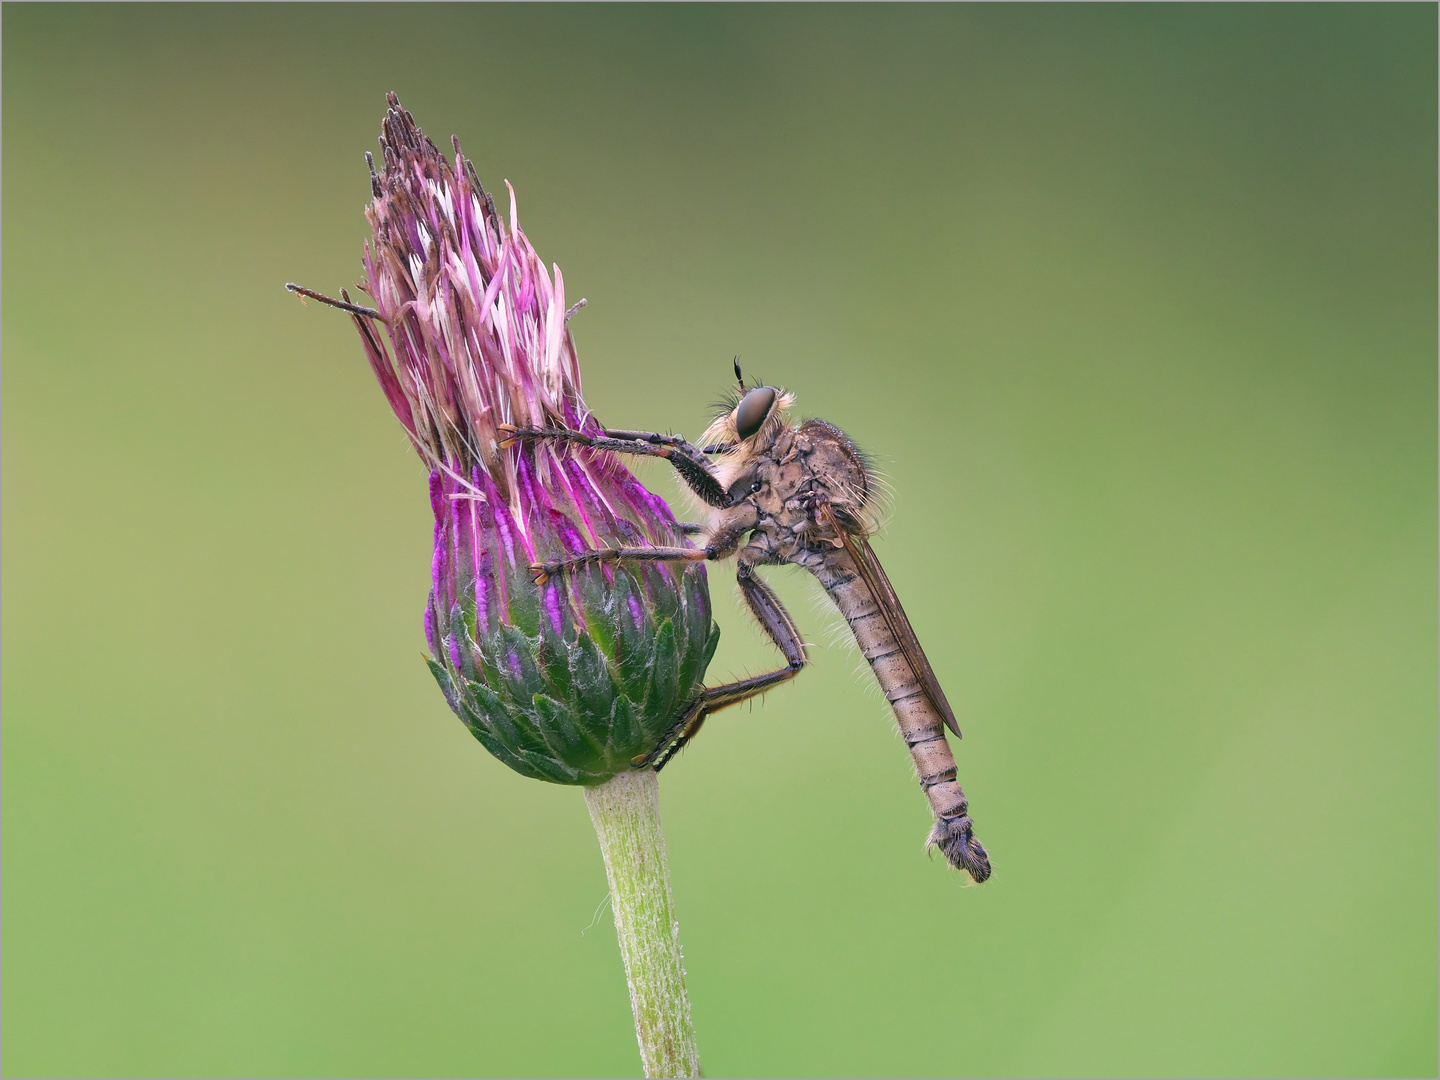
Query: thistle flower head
{"points": [[566, 681]]}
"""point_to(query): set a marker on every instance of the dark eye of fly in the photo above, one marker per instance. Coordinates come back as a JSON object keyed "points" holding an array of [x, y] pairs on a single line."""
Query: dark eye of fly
{"points": [[754, 407]]}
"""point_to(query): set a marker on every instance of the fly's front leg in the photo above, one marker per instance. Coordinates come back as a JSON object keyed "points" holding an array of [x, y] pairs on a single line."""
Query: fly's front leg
{"points": [[647, 436], [622, 442], [779, 627], [689, 460]]}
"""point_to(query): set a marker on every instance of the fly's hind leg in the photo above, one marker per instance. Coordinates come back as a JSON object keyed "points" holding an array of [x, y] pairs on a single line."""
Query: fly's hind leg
{"points": [[780, 628], [763, 603], [712, 699]]}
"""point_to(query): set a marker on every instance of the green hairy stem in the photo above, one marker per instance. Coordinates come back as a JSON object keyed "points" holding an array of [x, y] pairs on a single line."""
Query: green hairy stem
{"points": [[626, 813]]}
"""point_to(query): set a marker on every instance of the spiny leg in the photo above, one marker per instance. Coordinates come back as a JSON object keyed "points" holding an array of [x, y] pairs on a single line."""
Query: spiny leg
{"points": [[544, 571], [769, 612], [689, 460], [710, 700], [722, 544], [667, 440], [779, 627]]}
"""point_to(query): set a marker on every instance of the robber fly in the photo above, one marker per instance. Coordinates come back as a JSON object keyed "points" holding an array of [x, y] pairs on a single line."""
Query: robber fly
{"points": [[802, 494]]}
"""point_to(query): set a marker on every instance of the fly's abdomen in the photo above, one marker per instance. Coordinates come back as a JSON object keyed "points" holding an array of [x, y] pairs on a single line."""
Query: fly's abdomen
{"points": [[921, 724]]}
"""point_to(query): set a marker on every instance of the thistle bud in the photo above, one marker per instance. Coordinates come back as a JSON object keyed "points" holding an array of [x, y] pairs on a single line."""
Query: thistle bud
{"points": [[570, 680]]}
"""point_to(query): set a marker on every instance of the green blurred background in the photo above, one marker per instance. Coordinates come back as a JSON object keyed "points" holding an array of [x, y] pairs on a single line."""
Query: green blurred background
{"points": [[1137, 305]]}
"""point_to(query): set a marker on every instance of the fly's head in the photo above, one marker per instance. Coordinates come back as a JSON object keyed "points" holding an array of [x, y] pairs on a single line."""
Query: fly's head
{"points": [[750, 425], [801, 484]]}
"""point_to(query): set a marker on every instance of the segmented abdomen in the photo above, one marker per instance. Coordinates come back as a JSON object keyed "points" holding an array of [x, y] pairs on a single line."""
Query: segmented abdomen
{"points": [[920, 723]]}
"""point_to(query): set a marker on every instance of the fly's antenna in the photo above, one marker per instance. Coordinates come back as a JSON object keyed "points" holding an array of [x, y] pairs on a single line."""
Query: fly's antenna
{"points": [[738, 377]]}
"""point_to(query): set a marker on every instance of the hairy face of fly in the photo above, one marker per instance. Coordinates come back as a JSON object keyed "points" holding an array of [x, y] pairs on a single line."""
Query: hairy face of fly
{"points": [[746, 430]]}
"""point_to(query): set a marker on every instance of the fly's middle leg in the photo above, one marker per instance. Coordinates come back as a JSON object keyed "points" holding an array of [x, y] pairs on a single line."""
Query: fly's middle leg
{"points": [[543, 572], [721, 546]]}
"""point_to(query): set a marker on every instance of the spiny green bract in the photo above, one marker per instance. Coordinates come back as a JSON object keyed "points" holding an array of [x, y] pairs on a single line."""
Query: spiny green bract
{"points": [[578, 707]]}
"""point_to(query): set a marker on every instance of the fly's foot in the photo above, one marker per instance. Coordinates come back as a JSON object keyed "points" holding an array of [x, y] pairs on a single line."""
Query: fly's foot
{"points": [[676, 736], [544, 571], [514, 435]]}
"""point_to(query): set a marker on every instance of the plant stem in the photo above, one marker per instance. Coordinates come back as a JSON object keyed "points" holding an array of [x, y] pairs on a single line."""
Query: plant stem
{"points": [[626, 813]]}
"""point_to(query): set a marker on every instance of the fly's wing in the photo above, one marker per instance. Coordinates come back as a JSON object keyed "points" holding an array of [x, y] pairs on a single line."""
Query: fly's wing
{"points": [[895, 618]]}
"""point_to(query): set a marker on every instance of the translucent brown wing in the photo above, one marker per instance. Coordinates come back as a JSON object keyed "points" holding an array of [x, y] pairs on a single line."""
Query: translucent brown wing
{"points": [[895, 618]]}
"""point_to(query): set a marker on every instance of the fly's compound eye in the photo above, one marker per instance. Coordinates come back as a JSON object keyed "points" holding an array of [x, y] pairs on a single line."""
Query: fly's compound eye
{"points": [[754, 407]]}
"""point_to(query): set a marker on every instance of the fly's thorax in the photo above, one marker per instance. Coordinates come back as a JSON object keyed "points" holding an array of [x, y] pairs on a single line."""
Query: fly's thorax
{"points": [[839, 468], [805, 469]]}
